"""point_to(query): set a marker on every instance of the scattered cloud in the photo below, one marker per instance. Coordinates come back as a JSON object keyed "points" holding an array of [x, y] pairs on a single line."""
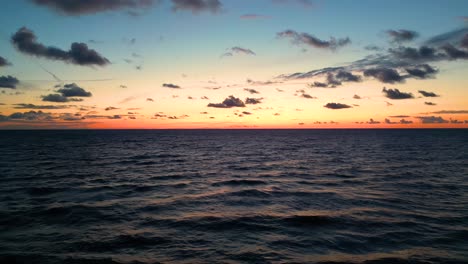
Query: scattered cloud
{"points": [[385, 75], [40, 107], [110, 108], [253, 100], [308, 96], [26, 41], [372, 122], [432, 119], [402, 35], [58, 98], [252, 91], [337, 106], [170, 85], [73, 90], [428, 94], [451, 112], [396, 94], [8, 82], [357, 97], [229, 102], [246, 113], [80, 7], [197, 6], [423, 71], [429, 103], [312, 41], [4, 62]]}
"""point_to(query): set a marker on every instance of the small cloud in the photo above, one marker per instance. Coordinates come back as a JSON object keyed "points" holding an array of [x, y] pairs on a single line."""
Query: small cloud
{"points": [[428, 94], [253, 100], [429, 103], [197, 6], [318, 85], [59, 98], [229, 102], [451, 112], [40, 107], [170, 85], [402, 35], [25, 41], [337, 106], [246, 113], [385, 75], [123, 86], [149, 100], [8, 82], [77, 8], [308, 96], [110, 108], [204, 98], [4, 62], [312, 41], [372, 122], [238, 50], [357, 97], [279, 90], [252, 91], [73, 90], [253, 17], [396, 94], [432, 119]]}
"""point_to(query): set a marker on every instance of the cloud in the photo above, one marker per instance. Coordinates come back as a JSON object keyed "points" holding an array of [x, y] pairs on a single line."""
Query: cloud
{"points": [[253, 100], [29, 116], [423, 53], [197, 6], [402, 35], [423, 71], [73, 90], [451, 112], [337, 106], [428, 94], [8, 82], [229, 102], [58, 98], [432, 119], [454, 53], [252, 91], [80, 7], [246, 113], [42, 107], [372, 122], [170, 85], [4, 62], [384, 75], [303, 3], [345, 76], [111, 108], [429, 103], [25, 41], [253, 17], [312, 41], [396, 94], [452, 37], [464, 41], [308, 96], [238, 50], [357, 97], [149, 100], [319, 85]]}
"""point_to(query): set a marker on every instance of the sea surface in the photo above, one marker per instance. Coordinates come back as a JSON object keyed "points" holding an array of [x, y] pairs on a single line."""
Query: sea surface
{"points": [[234, 196]]}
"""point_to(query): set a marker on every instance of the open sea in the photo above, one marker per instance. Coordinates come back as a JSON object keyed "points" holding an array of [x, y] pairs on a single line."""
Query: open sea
{"points": [[234, 196]]}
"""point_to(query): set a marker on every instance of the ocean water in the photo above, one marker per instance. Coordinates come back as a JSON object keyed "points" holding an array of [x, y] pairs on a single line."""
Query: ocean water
{"points": [[234, 196]]}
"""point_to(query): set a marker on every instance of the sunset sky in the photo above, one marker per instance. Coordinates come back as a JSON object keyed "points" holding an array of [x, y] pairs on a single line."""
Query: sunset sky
{"points": [[233, 64]]}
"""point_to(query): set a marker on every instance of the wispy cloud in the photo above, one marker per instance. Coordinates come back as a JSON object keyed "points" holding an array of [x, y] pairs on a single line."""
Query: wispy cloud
{"points": [[197, 6], [312, 41]]}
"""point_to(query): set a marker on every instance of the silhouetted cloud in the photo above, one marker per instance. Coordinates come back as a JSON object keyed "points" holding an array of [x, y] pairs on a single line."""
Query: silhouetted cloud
{"points": [[423, 71], [170, 85], [318, 84], [4, 62], [372, 122], [357, 97], [252, 91], [308, 96], [402, 35], [432, 119], [73, 90], [80, 7], [464, 41], [345, 76], [42, 107], [400, 116], [451, 112], [246, 113], [253, 17], [396, 94], [110, 108], [28, 116], [337, 106], [312, 41], [423, 53], [429, 103], [428, 94], [25, 41], [453, 37], [384, 75], [253, 100], [454, 53], [238, 50], [8, 82], [196, 6], [58, 98], [229, 102]]}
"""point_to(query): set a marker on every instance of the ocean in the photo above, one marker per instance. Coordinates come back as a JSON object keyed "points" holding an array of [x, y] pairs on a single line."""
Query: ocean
{"points": [[234, 196]]}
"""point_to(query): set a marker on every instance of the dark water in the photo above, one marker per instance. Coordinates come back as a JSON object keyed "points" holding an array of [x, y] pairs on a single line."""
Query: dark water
{"points": [[220, 196]]}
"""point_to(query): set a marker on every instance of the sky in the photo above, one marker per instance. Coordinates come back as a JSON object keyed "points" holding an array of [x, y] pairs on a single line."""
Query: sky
{"points": [[170, 64]]}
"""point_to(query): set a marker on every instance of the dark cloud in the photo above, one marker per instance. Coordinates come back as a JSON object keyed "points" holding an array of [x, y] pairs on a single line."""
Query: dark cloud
{"points": [[400, 116], [384, 75], [432, 119], [429, 103], [8, 82], [451, 112], [204, 98], [312, 41], [345, 76], [402, 35], [238, 50], [170, 85], [373, 122], [452, 37], [332, 81], [58, 98], [423, 71], [42, 107], [252, 91], [73, 90], [372, 48], [308, 96], [253, 17], [110, 108], [396, 94], [405, 122], [337, 106], [454, 53], [253, 100], [357, 97], [197, 6], [4, 62], [81, 7], [29, 116], [25, 41], [464, 41], [229, 102], [246, 113], [428, 94], [319, 85]]}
